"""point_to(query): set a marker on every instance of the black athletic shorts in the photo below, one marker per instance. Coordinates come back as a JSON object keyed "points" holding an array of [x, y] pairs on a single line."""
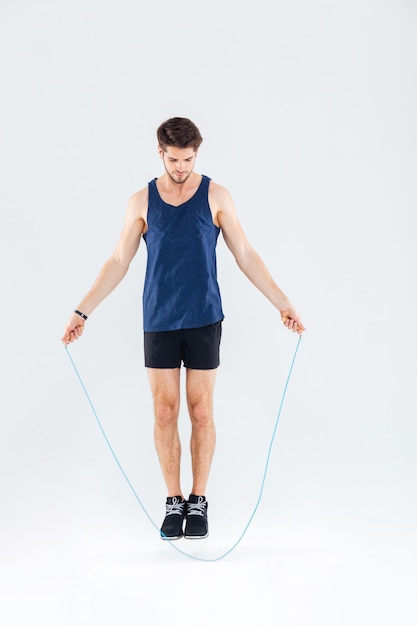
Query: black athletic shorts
{"points": [[197, 348]]}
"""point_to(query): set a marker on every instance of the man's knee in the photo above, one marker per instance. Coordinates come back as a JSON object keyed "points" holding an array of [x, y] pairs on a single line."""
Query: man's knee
{"points": [[201, 411], [166, 411]]}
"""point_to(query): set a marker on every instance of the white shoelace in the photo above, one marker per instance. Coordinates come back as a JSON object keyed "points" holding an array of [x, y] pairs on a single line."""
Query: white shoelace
{"points": [[197, 508], [176, 508]]}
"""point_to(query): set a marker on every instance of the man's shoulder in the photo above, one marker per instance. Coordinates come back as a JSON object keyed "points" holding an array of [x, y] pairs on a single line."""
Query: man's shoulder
{"points": [[138, 197], [138, 202], [218, 191], [219, 195]]}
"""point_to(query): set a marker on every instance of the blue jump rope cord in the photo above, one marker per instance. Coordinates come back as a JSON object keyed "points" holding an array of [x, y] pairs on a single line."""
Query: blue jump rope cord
{"points": [[191, 556]]}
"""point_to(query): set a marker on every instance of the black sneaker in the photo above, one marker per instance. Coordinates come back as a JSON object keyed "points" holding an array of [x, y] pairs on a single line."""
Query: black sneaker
{"points": [[174, 518], [196, 526]]}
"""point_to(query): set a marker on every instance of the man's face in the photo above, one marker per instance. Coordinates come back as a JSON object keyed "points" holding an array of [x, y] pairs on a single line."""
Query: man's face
{"points": [[178, 162]]}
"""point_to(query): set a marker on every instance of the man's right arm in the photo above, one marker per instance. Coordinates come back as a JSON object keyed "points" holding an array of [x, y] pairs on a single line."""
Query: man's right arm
{"points": [[116, 266]]}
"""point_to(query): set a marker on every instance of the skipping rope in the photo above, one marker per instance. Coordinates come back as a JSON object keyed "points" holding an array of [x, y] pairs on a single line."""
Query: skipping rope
{"points": [[191, 556]]}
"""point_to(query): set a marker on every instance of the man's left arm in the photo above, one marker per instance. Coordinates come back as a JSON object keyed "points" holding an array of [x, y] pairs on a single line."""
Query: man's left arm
{"points": [[248, 260]]}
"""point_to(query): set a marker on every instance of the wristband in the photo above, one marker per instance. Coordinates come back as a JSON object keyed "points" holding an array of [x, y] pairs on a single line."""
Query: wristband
{"points": [[81, 314]]}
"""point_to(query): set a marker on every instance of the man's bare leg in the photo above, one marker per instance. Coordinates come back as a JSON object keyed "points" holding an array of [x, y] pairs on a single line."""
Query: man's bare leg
{"points": [[200, 387], [165, 386]]}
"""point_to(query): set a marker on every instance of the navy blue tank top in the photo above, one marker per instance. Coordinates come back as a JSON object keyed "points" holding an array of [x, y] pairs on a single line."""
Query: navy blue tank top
{"points": [[181, 288]]}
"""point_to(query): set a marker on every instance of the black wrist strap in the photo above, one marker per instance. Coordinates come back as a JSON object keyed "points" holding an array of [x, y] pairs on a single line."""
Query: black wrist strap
{"points": [[81, 314]]}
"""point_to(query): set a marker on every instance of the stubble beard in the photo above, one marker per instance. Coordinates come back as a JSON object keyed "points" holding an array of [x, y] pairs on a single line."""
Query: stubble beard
{"points": [[178, 182]]}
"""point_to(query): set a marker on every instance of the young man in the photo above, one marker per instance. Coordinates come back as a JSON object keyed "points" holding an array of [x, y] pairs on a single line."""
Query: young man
{"points": [[180, 216]]}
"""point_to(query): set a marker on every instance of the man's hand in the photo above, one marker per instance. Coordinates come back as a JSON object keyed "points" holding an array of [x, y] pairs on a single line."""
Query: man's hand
{"points": [[73, 330], [292, 321]]}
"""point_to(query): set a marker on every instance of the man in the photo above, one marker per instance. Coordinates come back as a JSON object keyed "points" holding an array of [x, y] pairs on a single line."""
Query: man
{"points": [[180, 216]]}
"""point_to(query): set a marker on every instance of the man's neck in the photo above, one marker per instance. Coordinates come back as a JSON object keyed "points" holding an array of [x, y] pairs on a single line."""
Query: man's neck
{"points": [[175, 192]]}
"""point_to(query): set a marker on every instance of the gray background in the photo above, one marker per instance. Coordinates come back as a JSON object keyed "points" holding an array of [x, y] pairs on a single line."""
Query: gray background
{"points": [[307, 110]]}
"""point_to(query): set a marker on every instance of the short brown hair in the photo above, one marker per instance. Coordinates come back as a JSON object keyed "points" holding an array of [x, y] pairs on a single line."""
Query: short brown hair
{"points": [[179, 132]]}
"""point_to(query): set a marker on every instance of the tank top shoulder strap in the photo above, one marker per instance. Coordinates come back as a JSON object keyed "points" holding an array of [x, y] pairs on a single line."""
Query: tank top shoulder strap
{"points": [[153, 192], [205, 182]]}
